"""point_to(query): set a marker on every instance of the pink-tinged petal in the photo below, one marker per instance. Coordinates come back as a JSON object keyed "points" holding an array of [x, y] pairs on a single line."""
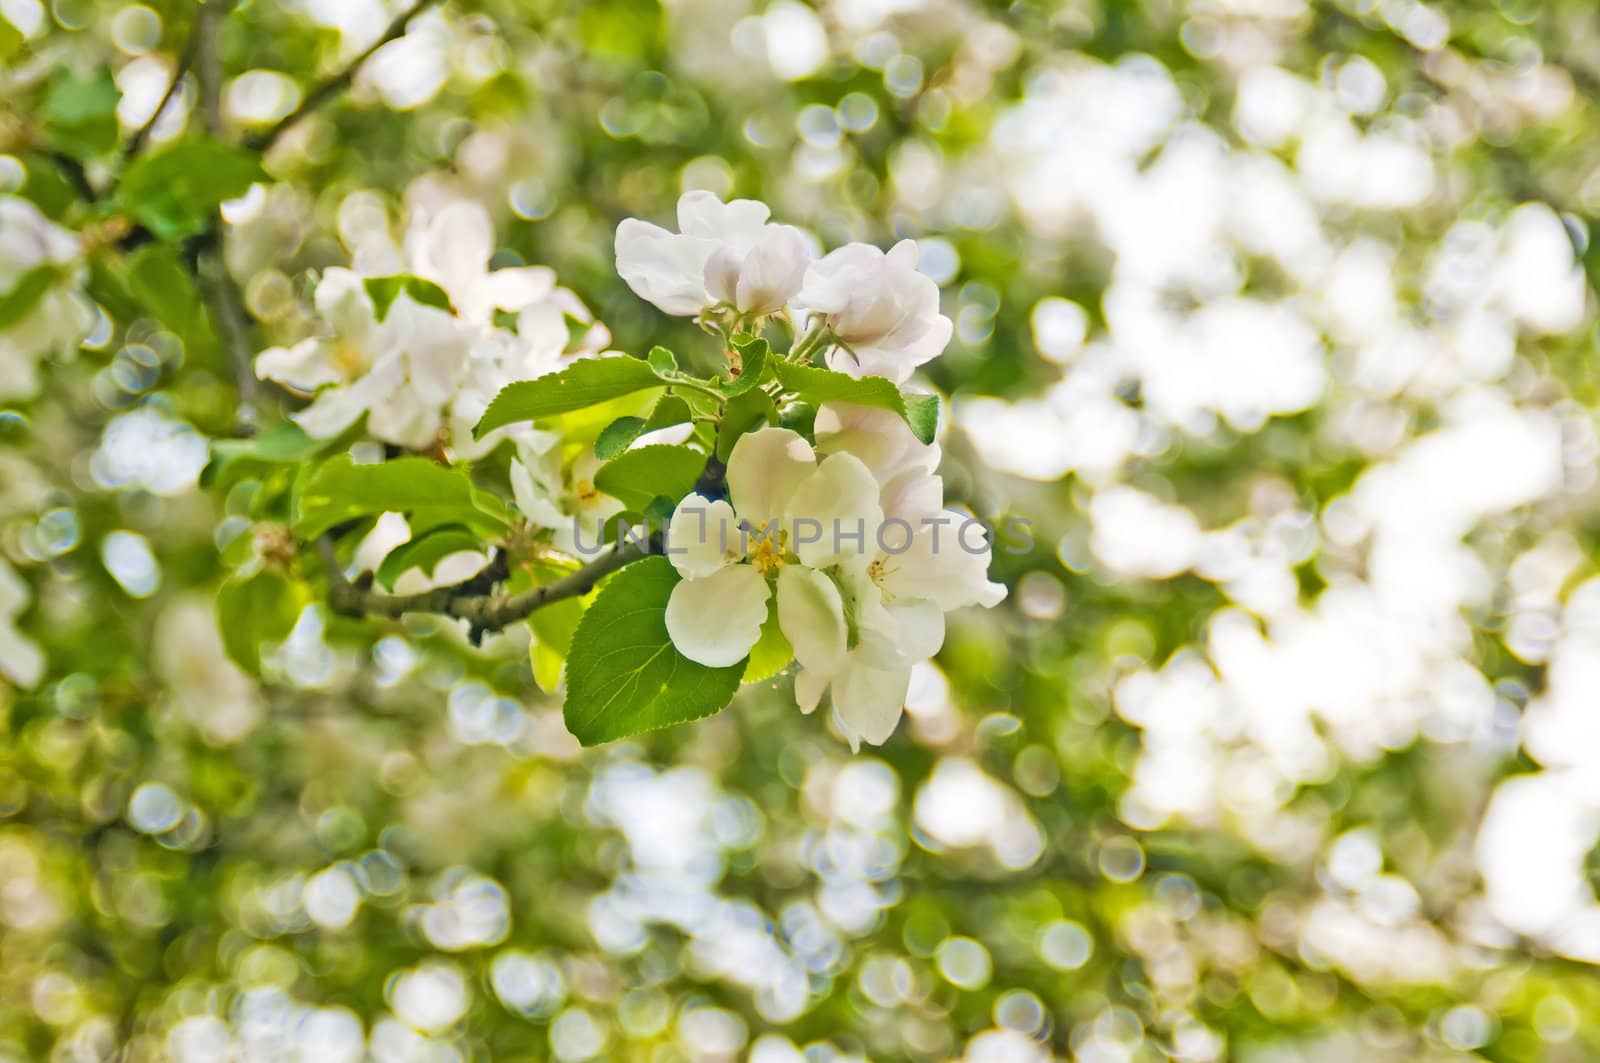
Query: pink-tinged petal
{"points": [[772, 271], [811, 616], [717, 620]]}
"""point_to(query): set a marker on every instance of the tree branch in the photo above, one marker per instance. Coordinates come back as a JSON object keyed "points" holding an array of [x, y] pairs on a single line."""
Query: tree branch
{"points": [[186, 60], [265, 140], [208, 62], [226, 303], [474, 600]]}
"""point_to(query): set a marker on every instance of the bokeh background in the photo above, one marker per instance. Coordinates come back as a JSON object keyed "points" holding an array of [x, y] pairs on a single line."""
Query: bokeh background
{"points": [[1272, 320]]}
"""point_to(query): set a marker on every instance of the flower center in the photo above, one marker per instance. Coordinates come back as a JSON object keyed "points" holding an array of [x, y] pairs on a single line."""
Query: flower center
{"points": [[767, 548]]}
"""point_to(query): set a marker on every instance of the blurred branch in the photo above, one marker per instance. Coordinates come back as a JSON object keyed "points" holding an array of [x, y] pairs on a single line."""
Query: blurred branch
{"points": [[320, 95], [186, 60], [208, 62], [226, 303], [473, 600]]}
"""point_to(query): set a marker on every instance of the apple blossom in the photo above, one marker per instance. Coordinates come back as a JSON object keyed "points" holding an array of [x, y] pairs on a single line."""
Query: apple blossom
{"points": [[882, 315], [897, 594], [424, 371], [724, 254], [60, 317], [730, 552], [559, 494], [400, 372]]}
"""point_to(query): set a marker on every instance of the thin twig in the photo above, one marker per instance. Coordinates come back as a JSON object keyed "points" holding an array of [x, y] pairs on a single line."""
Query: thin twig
{"points": [[265, 140], [208, 62], [226, 303], [185, 60], [473, 600]]}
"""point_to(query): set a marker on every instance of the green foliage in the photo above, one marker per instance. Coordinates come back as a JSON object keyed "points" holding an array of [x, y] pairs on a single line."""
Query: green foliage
{"points": [[430, 495], [639, 476], [26, 293], [582, 384], [425, 551], [817, 386], [79, 114], [624, 676], [175, 192], [753, 352], [254, 609], [385, 290]]}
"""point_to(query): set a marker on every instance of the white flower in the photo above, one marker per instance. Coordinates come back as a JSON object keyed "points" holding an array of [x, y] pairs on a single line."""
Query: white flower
{"points": [[883, 314], [425, 374], [781, 525], [723, 253], [553, 493], [61, 317], [400, 372], [922, 567]]}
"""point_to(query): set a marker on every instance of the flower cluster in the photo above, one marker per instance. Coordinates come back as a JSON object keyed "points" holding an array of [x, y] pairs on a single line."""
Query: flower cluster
{"points": [[872, 312], [41, 268], [421, 373], [845, 542]]}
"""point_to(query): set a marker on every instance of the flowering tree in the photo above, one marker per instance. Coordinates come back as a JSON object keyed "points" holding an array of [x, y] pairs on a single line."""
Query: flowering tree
{"points": [[1158, 438]]}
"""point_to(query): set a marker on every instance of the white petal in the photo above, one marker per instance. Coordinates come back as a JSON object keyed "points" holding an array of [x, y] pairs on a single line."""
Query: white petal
{"points": [[702, 537], [717, 620], [342, 301], [880, 438], [772, 272], [303, 367], [811, 616], [946, 563], [663, 268], [834, 513], [919, 628], [763, 471], [808, 690], [867, 701], [701, 213]]}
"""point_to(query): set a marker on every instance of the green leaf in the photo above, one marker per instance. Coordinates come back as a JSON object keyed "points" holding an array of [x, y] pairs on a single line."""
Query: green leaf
{"points": [[26, 293], [79, 114], [922, 414], [553, 628], [262, 607], [817, 386], [425, 551], [662, 360], [616, 437], [385, 290], [772, 653], [11, 40], [429, 494], [175, 192], [753, 353], [233, 460], [744, 413], [669, 411], [158, 279], [583, 383], [638, 476], [624, 676]]}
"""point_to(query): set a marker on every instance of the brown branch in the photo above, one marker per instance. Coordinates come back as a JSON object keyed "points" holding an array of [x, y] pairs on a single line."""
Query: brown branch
{"points": [[474, 600], [226, 304], [185, 60], [208, 62], [265, 140]]}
